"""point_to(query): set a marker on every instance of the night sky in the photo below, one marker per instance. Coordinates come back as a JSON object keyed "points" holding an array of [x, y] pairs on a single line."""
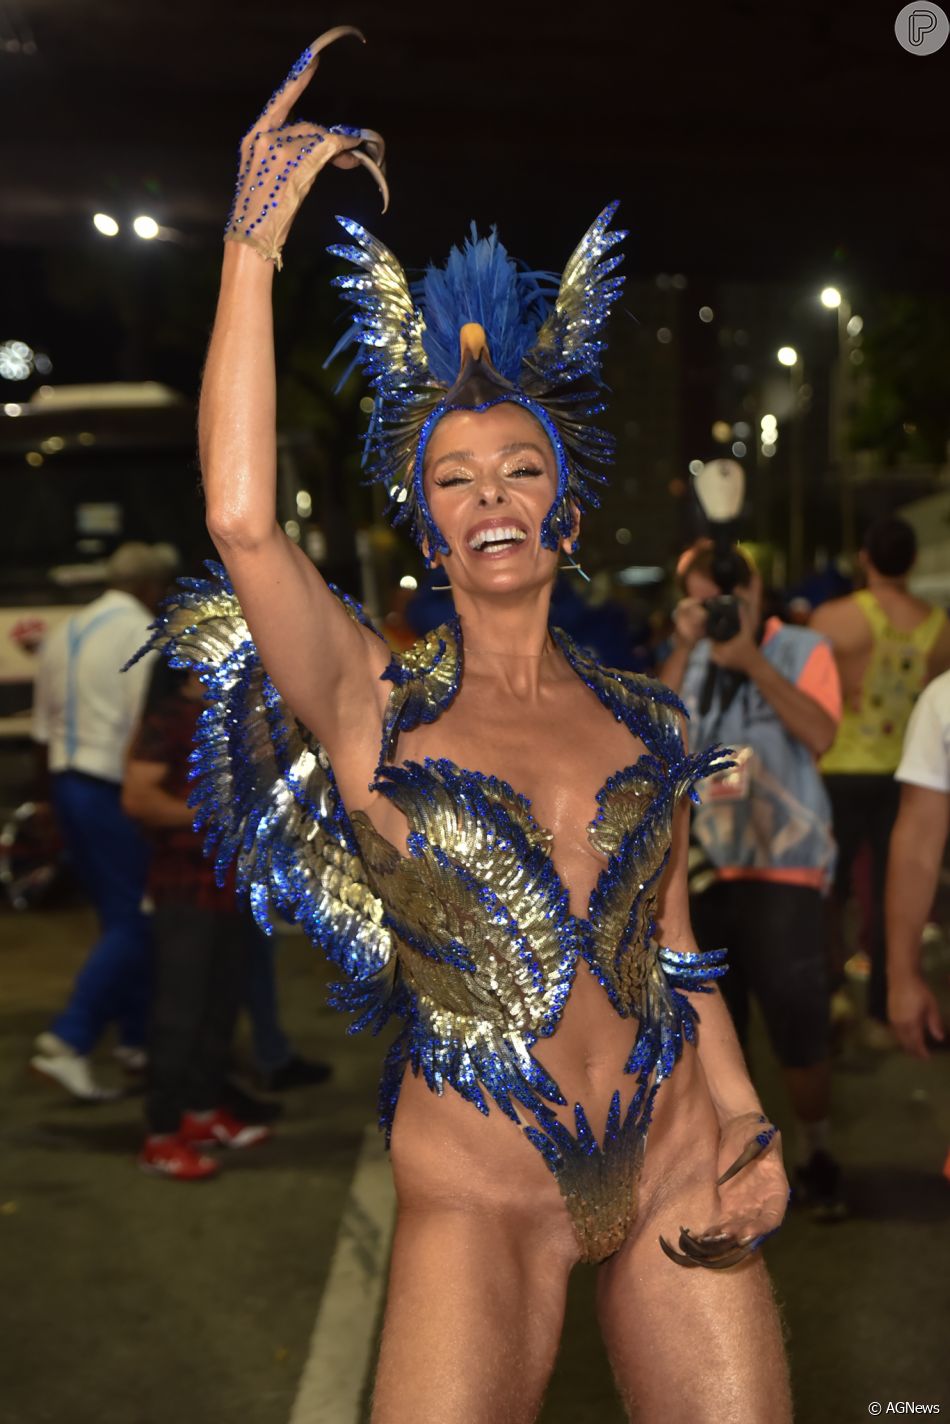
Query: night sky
{"points": [[759, 149], [744, 139]]}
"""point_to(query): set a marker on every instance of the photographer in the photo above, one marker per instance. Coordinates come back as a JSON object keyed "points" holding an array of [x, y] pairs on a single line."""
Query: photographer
{"points": [[763, 832]]}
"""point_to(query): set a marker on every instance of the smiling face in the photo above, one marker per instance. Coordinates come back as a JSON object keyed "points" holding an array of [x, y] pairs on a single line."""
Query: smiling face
{"points": [[490, 478]]}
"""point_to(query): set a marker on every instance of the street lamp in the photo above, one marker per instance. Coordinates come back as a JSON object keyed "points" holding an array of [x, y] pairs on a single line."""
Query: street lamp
{"points": [[145, 227], [105, 224], [788, 357], [847, 326]]}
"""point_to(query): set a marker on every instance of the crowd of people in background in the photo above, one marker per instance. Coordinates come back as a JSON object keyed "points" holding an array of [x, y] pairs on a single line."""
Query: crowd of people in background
{"points": [[176, 958], [839, 724]]}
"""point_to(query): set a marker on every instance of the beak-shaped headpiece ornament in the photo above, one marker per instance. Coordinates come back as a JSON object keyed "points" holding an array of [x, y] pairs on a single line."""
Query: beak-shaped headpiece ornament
{"points": [[476, 332]]}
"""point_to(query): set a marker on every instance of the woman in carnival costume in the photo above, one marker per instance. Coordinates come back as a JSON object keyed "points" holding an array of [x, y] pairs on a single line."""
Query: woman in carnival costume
{"points": [[486, 834]]}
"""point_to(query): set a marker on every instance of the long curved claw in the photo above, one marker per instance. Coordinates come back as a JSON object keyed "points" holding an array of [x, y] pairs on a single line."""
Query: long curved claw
{"points": [[750, 1152], [329, 37], [375, 146], [277, 109], [707, 1246], [380, 178], [675, 1256], [716, 1253]]}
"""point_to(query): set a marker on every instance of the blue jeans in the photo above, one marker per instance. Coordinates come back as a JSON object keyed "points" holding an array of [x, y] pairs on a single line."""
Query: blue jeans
{"points": [[110, 857]]}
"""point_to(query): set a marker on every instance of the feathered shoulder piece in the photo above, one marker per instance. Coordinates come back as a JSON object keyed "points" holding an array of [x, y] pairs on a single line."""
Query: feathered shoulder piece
{"points": [[265, 795], [425, 679], [480, 330]]}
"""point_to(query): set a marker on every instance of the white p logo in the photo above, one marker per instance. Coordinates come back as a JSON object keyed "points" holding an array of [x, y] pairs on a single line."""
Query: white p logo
{"points": [[922, 28], [919, 24]]}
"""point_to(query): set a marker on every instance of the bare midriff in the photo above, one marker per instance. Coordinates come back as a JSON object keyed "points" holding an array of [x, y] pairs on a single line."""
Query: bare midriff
{"points": [[447, 1155]]}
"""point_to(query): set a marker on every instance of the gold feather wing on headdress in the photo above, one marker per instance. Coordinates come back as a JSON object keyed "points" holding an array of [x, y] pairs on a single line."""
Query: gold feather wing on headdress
{"points": [[570, 338], [387, 320]]}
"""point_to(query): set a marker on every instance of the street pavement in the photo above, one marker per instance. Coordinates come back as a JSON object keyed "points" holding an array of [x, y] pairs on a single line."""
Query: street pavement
{"points": [[126, 1299]]}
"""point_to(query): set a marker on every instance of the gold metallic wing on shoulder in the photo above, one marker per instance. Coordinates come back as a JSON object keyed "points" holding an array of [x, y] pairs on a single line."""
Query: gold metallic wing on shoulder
{"points": [[266, 797], [425, 679]]}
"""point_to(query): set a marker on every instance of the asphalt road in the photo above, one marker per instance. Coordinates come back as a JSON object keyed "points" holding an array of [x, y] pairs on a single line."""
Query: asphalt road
{"points": [[130, 1300]]}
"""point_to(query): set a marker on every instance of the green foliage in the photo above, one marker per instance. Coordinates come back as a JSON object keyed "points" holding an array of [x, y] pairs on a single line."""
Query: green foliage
{"points": [[905, 409]]}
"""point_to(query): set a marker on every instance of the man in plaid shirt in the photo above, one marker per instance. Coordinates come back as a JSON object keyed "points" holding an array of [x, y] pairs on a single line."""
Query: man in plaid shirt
{"points": [[201, 949]]}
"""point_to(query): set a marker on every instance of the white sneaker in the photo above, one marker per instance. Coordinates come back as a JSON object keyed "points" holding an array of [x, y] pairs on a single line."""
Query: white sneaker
{"points": [[131, 1060], [60, 1064], [50, 1045]]}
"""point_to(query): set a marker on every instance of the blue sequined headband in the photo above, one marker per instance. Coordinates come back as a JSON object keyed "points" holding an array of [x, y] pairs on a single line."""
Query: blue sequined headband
{"points": [[527, 338]]}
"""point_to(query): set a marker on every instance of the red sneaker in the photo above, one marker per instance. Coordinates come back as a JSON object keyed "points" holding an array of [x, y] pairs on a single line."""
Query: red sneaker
{"points": [[222, 1129], [171, 1157]]}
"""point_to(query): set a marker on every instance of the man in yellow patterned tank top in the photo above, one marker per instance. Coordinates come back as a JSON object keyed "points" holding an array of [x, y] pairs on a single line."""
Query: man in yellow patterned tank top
{"points": [[888, 645]]}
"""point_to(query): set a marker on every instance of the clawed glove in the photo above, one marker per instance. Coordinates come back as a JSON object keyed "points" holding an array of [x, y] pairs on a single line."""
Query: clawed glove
{"points": [[280, 160], [751, 1213]]}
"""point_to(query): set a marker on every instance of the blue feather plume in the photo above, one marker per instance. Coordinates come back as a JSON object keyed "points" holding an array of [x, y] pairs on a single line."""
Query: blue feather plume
{"points": [[481, 283]]}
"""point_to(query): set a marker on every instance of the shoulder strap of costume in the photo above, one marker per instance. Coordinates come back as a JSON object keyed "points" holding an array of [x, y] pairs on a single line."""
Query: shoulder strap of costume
{"points": [[649, 709], [652, 712], [425, 680]]}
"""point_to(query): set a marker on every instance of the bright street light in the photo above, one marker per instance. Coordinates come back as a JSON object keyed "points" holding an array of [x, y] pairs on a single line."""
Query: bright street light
{"points": [[145, 227], [787, 355], [104, 224], [830, 298]]}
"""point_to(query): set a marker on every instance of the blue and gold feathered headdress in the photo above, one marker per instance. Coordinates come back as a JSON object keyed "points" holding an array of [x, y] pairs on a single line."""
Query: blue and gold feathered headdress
{"points": [[476, 332]]}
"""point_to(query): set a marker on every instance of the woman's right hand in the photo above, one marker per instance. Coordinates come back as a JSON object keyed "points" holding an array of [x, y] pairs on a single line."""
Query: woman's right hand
{"points": [[753, 1197], [280, 160]]}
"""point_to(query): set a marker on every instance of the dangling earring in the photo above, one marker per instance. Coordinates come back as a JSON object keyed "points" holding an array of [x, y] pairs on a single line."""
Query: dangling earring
{"points": [[574, 565], [436, 587]]}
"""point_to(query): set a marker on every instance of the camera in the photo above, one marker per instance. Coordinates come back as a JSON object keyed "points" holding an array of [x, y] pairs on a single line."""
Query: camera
{"points": [[720, 489], [722, 617]]}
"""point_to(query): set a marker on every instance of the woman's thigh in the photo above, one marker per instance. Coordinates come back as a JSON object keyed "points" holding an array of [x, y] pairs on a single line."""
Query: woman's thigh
{"points": [[473, 1317], [695, 1346], [689, 1345]]}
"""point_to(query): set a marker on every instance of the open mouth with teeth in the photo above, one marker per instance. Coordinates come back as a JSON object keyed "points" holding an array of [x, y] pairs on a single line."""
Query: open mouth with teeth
{"points": [[493, 541]]}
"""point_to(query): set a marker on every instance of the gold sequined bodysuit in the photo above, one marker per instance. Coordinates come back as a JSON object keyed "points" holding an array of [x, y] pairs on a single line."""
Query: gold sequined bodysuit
{"points": [[468, 938]]}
